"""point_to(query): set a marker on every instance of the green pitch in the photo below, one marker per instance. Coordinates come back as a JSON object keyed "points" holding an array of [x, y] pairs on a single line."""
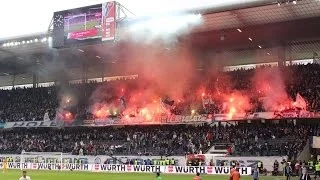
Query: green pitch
{"points": [[68, 175], [81, 26]]}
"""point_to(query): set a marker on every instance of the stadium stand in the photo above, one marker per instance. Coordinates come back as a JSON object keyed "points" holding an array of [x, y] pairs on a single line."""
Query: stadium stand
{"points": [[31, 104], [27, 104], [156, 140], [267, 139], [260, 139]]}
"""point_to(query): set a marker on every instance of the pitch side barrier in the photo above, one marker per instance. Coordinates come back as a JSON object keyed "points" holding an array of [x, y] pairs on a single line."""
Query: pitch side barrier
{"points": [[120, 168]]}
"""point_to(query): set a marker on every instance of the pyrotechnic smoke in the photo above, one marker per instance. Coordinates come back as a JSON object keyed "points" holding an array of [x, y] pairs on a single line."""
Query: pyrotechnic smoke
{"points": [[56, 71], [163, 74], [166, 27], [237, 102], [269, 83]]}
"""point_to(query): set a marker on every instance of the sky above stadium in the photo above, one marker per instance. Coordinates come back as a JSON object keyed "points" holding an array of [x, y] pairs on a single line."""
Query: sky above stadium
{"points": [[24, 17]]}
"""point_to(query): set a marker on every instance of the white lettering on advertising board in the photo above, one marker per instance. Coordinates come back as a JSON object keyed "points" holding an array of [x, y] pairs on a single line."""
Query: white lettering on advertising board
{"points": [[249, 161], [66, 158], [214, 170]]}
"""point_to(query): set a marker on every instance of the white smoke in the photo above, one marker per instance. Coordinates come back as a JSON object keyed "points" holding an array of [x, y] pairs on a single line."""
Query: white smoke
{"points": [[164, 27]]}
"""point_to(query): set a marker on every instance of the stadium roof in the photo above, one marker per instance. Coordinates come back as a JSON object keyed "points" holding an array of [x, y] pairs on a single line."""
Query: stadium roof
{"points": [[266, 14], [269, 24], [140, 8]]}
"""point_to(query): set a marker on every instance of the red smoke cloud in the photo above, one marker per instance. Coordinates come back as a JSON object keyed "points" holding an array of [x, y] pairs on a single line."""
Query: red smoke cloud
{"points": [[170, 74], [163, 73], [270, 86]]}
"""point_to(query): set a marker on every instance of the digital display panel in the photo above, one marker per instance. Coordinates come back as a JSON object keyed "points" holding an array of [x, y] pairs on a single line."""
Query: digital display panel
{"points": [[86, 24]]}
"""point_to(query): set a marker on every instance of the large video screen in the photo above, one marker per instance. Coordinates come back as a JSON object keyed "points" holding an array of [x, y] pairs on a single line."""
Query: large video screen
{"points": [[83, 23], [91, 23]]}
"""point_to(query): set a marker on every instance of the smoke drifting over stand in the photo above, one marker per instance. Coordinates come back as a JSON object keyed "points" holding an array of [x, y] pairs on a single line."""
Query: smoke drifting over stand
{"points": [[163, 74], [165, 66], [168, 77], [270, 84]]}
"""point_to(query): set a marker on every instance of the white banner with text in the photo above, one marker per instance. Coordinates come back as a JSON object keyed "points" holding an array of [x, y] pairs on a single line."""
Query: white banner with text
{"points": [[116, 168], [252, 162]]}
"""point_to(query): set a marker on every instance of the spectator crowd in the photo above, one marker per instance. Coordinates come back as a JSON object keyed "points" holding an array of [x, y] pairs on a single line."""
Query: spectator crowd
{"points": [[256, 139], [32, 104], [145, 140]]}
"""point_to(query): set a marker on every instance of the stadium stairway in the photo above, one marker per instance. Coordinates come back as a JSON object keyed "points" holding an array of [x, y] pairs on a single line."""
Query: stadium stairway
{"points": [[305, 153], [219, 149]]}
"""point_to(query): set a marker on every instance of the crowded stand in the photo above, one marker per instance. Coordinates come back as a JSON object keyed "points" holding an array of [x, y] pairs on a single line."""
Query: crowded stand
{"points": [[270, 139], [27, 104], [154, 140], [32, 104], [260, 139], [85, 102]]}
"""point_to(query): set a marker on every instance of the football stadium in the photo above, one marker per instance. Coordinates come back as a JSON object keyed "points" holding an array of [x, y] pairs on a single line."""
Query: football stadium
{"points": [[227, 90]]}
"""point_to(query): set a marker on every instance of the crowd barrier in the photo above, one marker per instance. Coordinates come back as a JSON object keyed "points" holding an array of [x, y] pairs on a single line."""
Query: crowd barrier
{"points": [[121, 168]]}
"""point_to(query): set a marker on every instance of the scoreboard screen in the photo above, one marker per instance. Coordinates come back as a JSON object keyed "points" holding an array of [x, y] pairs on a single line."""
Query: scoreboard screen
{"points": [[86, 24], [83, 24]]}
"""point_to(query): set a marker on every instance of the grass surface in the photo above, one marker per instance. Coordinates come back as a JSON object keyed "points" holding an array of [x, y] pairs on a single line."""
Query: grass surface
{"points": [[81, 26], [68, 175]]}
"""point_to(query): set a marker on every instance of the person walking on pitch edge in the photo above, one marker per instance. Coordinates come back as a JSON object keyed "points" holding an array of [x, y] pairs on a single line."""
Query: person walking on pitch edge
{"points": [[235, 175], [197, 177], [255, 174], [158, 176]]}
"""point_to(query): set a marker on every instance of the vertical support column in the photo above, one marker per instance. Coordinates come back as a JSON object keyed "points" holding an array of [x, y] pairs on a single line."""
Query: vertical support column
{"points": [[14, 73], [208, 61], [281, 56], [289, 54], [83, 79], [35, 75], [13, 79], [102, 72], [220, 60], [84, 73], [34, 80]]}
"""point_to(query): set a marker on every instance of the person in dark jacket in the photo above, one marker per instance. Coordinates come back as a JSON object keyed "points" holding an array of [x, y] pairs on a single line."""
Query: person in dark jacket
{"points": [[255, 174], [287, 171]]}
